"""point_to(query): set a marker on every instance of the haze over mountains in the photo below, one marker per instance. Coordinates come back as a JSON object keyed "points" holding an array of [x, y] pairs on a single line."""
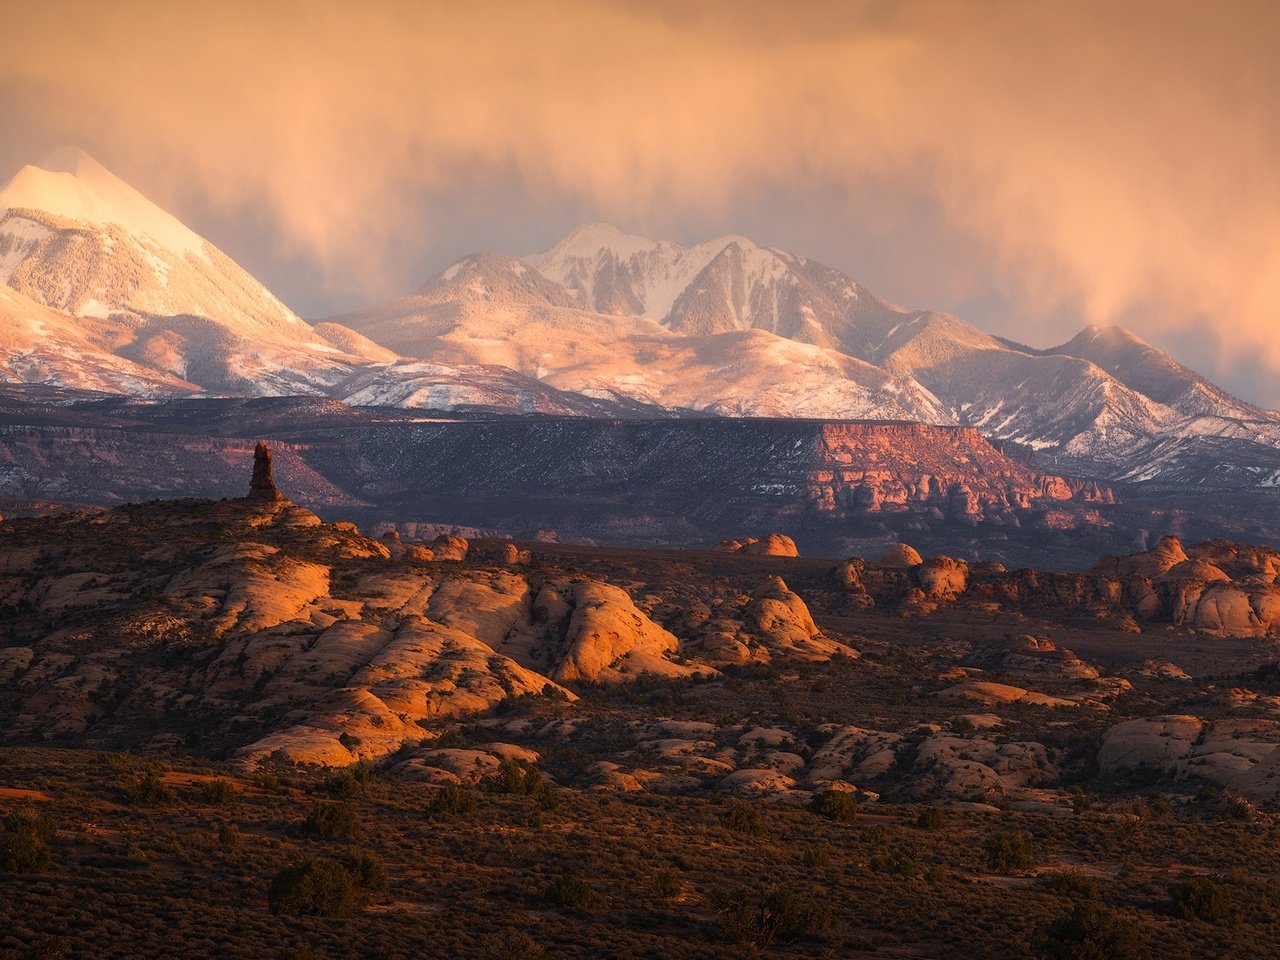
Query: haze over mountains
{"points": [[105, 291]]}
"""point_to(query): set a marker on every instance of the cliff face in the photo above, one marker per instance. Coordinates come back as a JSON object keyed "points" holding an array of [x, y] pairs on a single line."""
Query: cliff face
{"points": [[685, 482], [870, 467], [98, 466]]}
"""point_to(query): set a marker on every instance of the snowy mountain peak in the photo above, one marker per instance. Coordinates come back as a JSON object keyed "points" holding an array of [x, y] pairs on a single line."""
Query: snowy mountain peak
{"points": [[1109, 334], [69, 183], [592, 239], [142, 300]]}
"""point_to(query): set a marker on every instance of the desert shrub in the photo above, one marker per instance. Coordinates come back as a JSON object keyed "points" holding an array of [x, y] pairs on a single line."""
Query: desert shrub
{"points": [[1090, 932], [666, 884], [816, 856], [1009, 852], [937, 874], [1081, 802], [837, 805], [513, 778], [551, 692], [570, 892], [313, 888], [349, 782], [228, 834], [548, 799], [23, 842], [331, 821], [930, 818], [452, 800], [219, 792], [298, 953], [1199, 899], [893, 862], [876, 836], [741, 817], [366, 868], [149, 789], [781, 914], [1071, 883], [512, 945], [266, 780]]}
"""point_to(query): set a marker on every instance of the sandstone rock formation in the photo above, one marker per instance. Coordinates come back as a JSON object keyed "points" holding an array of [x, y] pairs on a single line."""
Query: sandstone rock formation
{"points": [[262, 485], [942, 578], [602, 636], [314, 640], [901, 555], [1240, 755], [448, 547], [770, 545], [1216, 587], [1032, 657], [783, 622]]}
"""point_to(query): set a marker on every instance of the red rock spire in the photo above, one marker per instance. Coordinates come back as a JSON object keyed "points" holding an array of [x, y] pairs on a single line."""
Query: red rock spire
{"points": [[263, 485]]}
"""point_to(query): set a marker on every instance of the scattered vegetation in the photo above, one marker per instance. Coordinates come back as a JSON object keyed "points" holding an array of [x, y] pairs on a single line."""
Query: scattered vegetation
{"points": [[742, 817], [1091, 932], [349, 782], [313, 888], [24, 846], [1071, 883], [219, 792], [1199, 899], [570, 892], [666, 884], [930, 818], [150, 790], [513, 778], [452, 800], [1009, 852], [331, 821], [838, 805], [780, 914]]}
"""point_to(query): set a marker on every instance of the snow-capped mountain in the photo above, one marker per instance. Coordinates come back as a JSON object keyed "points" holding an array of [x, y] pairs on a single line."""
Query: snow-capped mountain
{"points": [[42, 345], [141, 286], [103, 290], [725, 284], [731, 327], [494, 309]]}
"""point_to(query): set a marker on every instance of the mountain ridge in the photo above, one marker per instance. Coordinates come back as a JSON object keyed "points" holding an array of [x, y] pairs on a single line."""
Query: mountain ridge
{"points": [[104, 290]]}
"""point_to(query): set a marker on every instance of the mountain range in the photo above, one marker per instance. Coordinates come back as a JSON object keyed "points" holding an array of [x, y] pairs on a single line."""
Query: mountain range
{"points": [[105, 291]]}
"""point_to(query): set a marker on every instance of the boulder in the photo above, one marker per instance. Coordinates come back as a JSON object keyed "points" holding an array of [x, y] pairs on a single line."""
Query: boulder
{"points": [[448, 547], [942, 578], [783, 622], [605, 638], [901, 555]]}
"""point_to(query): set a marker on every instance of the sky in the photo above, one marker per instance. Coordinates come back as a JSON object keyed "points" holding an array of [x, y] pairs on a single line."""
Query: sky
{"points": [[1030, 165]]}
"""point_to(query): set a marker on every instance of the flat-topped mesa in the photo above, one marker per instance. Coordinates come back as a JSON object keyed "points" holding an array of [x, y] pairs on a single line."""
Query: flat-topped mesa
{"points": [[262, 486]]}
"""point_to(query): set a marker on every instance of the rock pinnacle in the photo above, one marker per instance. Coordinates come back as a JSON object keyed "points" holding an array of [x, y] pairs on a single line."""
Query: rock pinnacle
{"points": [[263, 485]]}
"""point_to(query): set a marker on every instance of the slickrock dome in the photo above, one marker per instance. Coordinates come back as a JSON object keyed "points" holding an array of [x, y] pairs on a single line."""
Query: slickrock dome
{"points": [[901, 555]]}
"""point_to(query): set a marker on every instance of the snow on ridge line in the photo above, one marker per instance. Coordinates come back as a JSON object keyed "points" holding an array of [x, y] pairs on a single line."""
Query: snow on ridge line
{"points": [[70, 183]]}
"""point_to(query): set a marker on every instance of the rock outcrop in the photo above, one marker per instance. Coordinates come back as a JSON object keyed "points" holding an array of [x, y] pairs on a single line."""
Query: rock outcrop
{"points": [[1241, 756], [901, 555], [783, 622], [449, 547], [770, 545], [262, 485]]}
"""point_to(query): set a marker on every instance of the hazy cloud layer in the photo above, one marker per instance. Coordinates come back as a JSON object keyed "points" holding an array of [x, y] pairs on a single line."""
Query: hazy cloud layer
{"points": [[1036, 164]]}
